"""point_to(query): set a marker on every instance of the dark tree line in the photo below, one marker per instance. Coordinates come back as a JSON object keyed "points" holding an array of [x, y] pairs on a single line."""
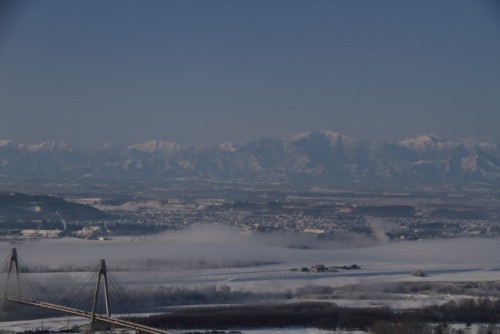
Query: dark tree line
{"points": [[330, 316]]}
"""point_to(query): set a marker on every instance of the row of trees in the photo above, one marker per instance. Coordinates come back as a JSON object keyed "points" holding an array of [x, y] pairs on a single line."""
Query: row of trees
{"points": [[330, 316]]}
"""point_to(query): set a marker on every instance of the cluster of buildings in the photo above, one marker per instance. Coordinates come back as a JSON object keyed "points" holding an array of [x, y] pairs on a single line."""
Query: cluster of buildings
{"points": [[319, 219], [86, 232]]}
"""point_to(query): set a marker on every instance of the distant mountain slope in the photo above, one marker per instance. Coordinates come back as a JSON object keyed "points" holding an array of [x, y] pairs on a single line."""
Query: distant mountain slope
{"points": [[322, 155], [18, 206]]}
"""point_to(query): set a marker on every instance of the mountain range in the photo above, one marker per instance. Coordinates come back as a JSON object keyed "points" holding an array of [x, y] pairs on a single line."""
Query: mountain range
{"points": [[316, 155]]}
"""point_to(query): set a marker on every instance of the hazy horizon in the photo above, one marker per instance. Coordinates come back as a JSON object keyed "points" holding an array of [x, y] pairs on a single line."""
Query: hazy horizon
{"points": [[92, 72]]}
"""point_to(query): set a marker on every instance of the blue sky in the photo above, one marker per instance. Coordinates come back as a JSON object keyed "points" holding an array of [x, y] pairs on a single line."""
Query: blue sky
{"points": [[91, 72]]}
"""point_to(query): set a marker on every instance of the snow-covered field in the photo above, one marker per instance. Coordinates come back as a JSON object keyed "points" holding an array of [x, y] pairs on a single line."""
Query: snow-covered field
{"points": [[68, 322], [220, 257], [63, 323]]}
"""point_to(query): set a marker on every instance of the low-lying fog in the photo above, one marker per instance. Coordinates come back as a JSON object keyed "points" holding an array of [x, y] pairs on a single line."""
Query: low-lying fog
{"points": [[222, 263], [214, 264], [216, 244]]}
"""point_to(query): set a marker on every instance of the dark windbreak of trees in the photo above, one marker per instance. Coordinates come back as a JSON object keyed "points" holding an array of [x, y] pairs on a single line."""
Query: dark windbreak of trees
{"points": [[328, 316], [325, 315]]}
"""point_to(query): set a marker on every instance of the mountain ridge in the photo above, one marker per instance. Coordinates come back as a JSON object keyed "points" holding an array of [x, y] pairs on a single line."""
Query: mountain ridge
{"points": [[321, 155]]}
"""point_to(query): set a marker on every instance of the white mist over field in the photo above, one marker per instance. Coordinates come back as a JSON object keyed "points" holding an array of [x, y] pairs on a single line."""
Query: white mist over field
{"points": [[215, 258], [218, 244], [227, 257]]}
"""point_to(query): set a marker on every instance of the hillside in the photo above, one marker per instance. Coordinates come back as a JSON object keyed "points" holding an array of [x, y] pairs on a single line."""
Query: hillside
{"points": [[18, 206]]}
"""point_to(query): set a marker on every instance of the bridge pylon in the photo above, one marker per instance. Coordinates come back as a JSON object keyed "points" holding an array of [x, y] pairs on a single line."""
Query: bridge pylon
{"points": [[104, 276], [99, 322], [13, 264]]}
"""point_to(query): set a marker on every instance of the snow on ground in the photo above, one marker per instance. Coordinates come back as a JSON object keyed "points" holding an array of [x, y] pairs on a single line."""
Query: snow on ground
{"points": [[451, 260], [69, 322], [39, 324], [297, 331], [206, 257]]}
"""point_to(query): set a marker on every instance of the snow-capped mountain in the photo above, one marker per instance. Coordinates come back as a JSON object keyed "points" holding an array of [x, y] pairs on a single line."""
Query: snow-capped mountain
{"points": [[321, 155], [48, 146], [155, 146]]}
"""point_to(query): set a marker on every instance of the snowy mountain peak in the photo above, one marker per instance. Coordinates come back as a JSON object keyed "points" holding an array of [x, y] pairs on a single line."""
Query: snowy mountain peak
{"points": [[48, 146], [331, 135], [153, 146], [228, 147], [326, 138], [426, 143], [6, 143], [106, 147]]}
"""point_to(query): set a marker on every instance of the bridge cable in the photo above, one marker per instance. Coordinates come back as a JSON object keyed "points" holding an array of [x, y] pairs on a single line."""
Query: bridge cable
{"points": [[79, 296], [121, 298], [28, 285]]}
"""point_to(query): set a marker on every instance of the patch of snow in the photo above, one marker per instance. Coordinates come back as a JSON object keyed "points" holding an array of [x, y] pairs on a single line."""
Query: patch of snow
{"points": [[228, 146], [51, 146], [6, 143], [152, 146]]}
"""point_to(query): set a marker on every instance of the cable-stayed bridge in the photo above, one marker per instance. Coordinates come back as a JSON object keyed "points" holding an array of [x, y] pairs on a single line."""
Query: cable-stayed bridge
{"points": [[21, 287]]}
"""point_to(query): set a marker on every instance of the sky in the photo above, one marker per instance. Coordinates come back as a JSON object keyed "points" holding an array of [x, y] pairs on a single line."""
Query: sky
{"points": [[121, 71]]}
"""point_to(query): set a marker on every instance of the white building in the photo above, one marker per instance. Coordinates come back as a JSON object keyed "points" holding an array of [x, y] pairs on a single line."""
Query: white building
{"points": [[32, 234]]}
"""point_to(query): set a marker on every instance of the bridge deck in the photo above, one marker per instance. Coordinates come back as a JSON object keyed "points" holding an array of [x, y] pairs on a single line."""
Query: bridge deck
{"points": [[84, 314]]}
